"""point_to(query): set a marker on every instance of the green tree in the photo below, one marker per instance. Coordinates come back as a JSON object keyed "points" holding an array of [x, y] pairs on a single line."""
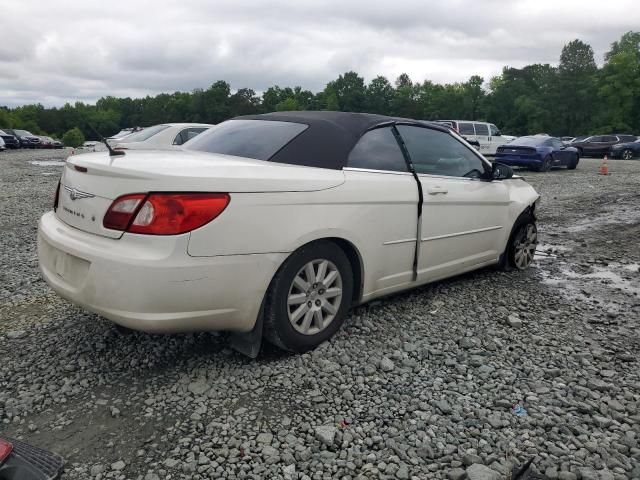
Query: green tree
{"points": [[379, 96], [349, 91], [73, 138], [576, 88], [288, 105], [619, 86]]}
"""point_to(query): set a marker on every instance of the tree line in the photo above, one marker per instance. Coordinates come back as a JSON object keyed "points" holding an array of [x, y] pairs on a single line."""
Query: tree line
{"points": [[576, 97]]}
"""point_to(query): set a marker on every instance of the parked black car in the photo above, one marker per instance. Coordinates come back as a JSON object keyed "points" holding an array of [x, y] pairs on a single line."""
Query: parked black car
{"points": [[626, 151], [599, 145], [26, 139], [9, 140]]}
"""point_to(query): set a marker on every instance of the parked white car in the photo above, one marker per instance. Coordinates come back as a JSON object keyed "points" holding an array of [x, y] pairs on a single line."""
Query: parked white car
{"points": [[166, 136], [280, 221], [2, 145], [91, 146], [486, 134]]}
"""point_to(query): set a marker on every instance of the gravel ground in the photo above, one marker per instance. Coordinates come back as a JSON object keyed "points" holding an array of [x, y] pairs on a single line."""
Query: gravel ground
{"points": [[419, 385]]}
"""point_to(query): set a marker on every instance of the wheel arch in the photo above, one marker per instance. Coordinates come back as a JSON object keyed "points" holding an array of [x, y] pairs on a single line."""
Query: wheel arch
{"points": [[348, 245]]}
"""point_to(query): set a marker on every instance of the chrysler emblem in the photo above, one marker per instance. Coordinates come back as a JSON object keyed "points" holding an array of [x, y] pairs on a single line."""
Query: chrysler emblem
{"points": [[75, 194]]}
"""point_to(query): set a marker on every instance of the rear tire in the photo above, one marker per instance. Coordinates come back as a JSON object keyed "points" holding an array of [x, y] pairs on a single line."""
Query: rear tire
{"points": [[574, 163], [522, 244], [308, 298], [627, 154]]}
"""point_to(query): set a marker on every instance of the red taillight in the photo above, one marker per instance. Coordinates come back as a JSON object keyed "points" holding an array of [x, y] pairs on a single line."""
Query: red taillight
{"points": [[164, 213], [55, 200], [5, 450]]}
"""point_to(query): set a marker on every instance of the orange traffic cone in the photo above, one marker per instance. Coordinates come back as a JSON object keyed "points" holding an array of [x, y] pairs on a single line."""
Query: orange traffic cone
{"points": [[604, 166]]}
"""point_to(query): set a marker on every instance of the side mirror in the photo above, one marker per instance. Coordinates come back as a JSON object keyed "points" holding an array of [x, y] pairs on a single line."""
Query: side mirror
{"points": [[497, 134], [500, 171]]}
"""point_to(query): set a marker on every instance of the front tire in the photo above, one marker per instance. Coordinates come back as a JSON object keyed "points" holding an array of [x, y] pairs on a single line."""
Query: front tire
{"points": [[521, 245], [308, 299], [627, 154], [574, 163]]}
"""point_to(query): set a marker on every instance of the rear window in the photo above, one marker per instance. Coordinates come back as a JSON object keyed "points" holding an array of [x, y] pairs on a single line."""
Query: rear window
{"points": [[466, 128], [528, 141], [145, 134], [258, 139]]}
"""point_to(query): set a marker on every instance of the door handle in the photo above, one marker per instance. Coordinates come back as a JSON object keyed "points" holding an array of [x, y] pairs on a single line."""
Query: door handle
{"points": [[436, 190]]}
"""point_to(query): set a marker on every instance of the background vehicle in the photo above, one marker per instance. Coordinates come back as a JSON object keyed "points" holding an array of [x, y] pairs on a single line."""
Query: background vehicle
{"points": [[626, 151], [26, 139], [167, 136], [123, 133], [538, 153], [599, 145], [280, 214], [10, 141], [92, 146], [2, 146], [46, 142], [57, 144], [487, 134], [567, 140]]}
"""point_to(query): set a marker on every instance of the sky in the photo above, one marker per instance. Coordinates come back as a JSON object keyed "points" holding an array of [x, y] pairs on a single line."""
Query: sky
{"points": [[57, 51]]}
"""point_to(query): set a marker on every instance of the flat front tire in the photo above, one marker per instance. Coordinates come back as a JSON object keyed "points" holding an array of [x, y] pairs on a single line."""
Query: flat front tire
{"points": [[309, 297]]}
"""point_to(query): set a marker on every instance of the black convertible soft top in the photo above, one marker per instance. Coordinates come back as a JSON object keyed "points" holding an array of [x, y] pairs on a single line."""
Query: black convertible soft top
{"points": [[330, 137]]}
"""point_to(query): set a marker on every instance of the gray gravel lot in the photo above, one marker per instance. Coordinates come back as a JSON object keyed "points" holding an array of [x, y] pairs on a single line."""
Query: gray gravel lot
{"points": [[419, 385]]}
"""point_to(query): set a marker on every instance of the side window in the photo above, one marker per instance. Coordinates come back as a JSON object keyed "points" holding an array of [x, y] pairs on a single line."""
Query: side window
{"points": [[482, 129], [465, 128], [378, 150], [438, 153], [595, 138], [494, 130], [187, 134], [609, 138], [180, 138]]}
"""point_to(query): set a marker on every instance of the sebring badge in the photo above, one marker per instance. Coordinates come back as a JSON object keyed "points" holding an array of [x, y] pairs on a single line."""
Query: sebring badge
{"points": [[75, 194]]}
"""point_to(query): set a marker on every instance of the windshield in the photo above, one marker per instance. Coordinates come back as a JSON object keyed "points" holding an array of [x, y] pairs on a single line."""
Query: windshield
{"points": [[259, 139], [529, 141], [2, 132], [146, 134], [24, 133]]}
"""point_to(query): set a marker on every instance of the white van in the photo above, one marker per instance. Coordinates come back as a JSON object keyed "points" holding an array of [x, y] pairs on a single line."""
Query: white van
{"points": [[487, 134]]}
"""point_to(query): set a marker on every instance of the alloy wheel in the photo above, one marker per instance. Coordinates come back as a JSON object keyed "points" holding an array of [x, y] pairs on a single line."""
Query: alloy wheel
{"points": [[526, 242], [627, 155], [314, 296]]}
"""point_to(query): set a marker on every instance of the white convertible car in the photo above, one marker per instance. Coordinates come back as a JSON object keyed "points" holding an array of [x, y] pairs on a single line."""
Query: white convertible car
{"points": [[277, 224]]}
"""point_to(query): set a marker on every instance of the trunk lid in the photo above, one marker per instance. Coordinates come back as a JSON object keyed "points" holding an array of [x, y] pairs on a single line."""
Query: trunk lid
{"points": [[90, 182]]}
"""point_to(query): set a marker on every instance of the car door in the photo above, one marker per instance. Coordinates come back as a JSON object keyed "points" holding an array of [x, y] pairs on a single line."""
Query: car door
{"points": [[383, 210], [482, 135], [559, 155], [593, 145], [466, 130], [607, 142], [464, 217], [495, 139]]}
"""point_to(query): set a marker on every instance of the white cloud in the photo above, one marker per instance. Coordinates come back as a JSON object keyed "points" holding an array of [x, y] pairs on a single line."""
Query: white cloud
{"points": [[84, 49]]}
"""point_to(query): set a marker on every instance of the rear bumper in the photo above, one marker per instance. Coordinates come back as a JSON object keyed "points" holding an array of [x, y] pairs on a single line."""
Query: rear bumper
{"points": [[516, 161], [150, 283]]}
